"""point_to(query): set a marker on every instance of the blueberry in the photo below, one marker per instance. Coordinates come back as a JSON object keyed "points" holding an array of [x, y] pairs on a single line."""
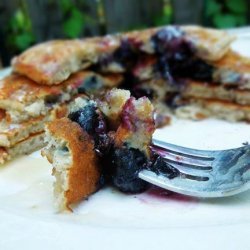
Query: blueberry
{"points": [[139, 91], [159, 166], [169, 40], [176, 57], [126, 54], [87, 118], [201, 70], [193, 68], [92, 121], [90, 84], [103, 144], [162, 66], [126, 164]]}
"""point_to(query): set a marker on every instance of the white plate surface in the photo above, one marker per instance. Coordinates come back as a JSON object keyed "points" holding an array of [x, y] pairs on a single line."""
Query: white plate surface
{"points": [[109, 220]]}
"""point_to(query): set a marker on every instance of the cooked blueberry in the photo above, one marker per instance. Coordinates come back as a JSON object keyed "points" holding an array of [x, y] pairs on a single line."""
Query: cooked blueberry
{"points": [[193, 68], [90, 84], [126, 164], [93, 122], [201, 70], [103, 143], [90, 119], [163, 67], [86, 117], [176, 56], [170, 40], [139, 91], [159, 166], [172, 99], [126, 54]]}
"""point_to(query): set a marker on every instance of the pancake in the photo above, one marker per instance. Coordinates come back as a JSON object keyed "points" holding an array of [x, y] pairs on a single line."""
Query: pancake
{"points": [[233, 69], [215, 91], [75, 165], [198, 108], [53, 62], [27, 146], [79, 144], [12, 133], [22, 98], [211, 44]]}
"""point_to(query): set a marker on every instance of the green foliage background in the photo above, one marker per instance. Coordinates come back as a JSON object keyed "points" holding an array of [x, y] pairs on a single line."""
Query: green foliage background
{"points": [[226, 13], [217, 13]]}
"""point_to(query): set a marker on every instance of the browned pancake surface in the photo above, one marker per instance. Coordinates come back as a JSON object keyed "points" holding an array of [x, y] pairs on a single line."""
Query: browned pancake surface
{"points": [[84, 174]]}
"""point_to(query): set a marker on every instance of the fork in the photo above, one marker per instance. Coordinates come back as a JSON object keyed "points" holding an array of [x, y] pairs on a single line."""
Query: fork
{"points": [[202, 173]]}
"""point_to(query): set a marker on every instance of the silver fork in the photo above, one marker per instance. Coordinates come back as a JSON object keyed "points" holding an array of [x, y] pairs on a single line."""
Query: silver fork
{"points": [[202, 173]]}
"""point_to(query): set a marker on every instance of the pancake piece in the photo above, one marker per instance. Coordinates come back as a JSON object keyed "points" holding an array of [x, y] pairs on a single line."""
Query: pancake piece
{"points": [[233, 69], [75, 166], [53, 62], [111, 106], [77, 145], [10, 134], [137, 125], [215, 91], [22, 98], [211, 44], [27, 146], [198, 108]]}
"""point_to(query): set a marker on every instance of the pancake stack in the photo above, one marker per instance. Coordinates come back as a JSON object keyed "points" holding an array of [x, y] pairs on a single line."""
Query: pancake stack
{"points": [[188, 70], [26, 106]]}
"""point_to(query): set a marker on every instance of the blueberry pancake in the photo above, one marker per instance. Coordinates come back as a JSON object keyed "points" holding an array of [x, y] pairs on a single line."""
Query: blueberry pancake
{"points": [[86, 150], [53, 62], [23, 98], [105, 139]]}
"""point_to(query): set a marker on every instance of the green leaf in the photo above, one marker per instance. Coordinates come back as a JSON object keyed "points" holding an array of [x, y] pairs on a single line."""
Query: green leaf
{"points": [[225, 21], [166, 17], [24, 40], [167, 10], [74, 25], [19, 18], [241, 20], [237, 6], [212, 7], [66, 5]]}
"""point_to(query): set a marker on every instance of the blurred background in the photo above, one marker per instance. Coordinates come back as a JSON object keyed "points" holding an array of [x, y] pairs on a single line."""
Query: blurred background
{"points": [[27, 22]]}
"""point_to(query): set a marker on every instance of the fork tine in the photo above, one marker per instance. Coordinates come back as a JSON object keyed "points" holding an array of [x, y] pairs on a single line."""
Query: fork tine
{"points": [[183, 160], [192, 153], [189, 186], [191, 173], [178, 185]]}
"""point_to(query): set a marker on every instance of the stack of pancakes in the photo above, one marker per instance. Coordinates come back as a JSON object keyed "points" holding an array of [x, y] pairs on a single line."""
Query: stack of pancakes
{"points": [[25, 107], [190, 69]]}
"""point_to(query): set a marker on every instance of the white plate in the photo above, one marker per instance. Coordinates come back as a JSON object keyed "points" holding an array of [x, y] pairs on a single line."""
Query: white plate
{"points": [[110, 220]]}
